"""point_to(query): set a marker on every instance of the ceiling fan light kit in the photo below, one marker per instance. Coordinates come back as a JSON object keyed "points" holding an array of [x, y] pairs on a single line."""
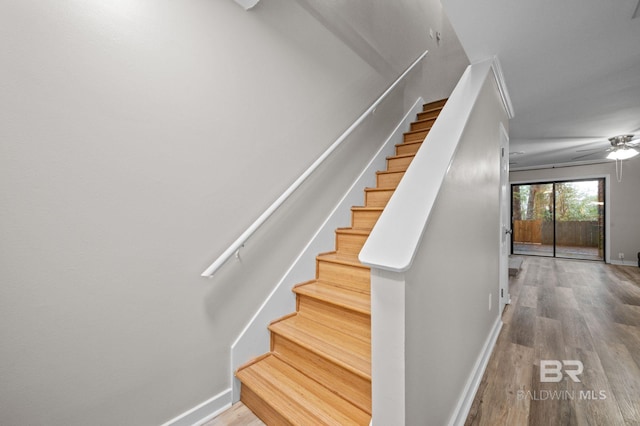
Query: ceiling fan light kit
{"points": [[620, 150], [622, 154]]}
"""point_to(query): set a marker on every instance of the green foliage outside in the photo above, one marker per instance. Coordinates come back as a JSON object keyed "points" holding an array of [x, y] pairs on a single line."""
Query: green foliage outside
{"points": [[575, 201]]}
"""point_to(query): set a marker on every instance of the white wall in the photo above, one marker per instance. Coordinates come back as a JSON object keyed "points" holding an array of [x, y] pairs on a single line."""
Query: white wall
{"points": [[138, 139], [624, 199], [455, 272]]}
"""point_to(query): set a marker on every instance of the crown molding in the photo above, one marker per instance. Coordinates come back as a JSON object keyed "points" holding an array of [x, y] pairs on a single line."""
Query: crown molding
{"points": [[502, 86]]}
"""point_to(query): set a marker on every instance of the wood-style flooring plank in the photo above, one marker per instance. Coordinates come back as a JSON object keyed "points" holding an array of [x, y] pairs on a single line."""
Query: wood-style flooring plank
{"points": [[522, 326], [508, 371], [631, 337], [237, 415], [593, 401], [528, 296], [624, 378], [575, 329]]}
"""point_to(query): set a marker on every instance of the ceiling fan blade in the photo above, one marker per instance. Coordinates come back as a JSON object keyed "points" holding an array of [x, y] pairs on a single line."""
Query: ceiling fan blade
{"points": [[588, 149], [586, 155]]}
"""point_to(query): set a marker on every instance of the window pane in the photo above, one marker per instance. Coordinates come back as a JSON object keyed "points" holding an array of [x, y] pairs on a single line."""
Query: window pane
{"points": [[533, 219], [579, 219]]}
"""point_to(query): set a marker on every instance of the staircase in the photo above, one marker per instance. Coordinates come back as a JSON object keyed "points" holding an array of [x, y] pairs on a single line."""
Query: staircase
{"points": [[319, 368]]}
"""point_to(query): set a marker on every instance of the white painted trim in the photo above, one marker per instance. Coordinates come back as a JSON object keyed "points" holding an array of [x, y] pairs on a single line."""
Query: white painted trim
{"points": [[505, 220], [502, 87], [388, 336], [254, 338], [394, 240], [239, 243], [473, 382], [558, 165], [204, 412], [247, 4], [624, 263]]}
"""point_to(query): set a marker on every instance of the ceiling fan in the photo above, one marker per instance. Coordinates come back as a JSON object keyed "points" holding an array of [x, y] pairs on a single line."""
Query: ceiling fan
{"points": [[622, 148]]}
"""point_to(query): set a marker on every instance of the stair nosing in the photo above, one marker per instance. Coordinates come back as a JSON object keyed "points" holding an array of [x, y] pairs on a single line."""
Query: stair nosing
{"points": [[382, 172], [365, 208], [408, 143], [431, 109], [381, 189], [424, 119], [393, 157], [352, 231], [411, 132]]}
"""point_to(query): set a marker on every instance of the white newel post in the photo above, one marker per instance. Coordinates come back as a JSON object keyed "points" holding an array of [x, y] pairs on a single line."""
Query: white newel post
{"points": [[387, 347]]}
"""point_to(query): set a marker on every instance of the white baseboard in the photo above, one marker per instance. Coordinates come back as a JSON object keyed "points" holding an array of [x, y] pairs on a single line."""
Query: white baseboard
{"points": [[204, 412], [625, 262], [464, 403], [254, 338]]}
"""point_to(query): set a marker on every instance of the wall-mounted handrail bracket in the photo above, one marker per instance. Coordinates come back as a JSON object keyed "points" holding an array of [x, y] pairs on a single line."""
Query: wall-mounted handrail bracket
{"points": [[238, 252], [247, 4]]}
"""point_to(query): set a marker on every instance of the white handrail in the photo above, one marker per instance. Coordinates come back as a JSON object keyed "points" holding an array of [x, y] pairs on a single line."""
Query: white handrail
{"points": [[393, 242], [237, 244]]}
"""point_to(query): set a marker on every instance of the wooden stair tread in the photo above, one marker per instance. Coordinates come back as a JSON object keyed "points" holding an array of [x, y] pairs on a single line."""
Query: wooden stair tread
{"points": [[435, 104], [384, 172], [345, 259], [298, 398], [409, 143], [348, 352], [365, 208], [352, 231], [339, 296], [413, 132], [401, 156], [430, 113], [423, 120], [383, 189], [431, 109]]}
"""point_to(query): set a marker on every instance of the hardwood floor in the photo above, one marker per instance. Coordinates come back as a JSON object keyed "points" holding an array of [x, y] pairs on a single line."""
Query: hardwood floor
{"points": [[237, 415], [566, 310]]}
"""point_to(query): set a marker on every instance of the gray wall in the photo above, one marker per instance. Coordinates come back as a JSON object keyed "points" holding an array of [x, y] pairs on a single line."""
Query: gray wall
{"points": [[138, 139], [624, 200], [455, 271]]}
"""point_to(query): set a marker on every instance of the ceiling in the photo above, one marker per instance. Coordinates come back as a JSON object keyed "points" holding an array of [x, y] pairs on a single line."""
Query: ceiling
{"points": [[572, 69]]}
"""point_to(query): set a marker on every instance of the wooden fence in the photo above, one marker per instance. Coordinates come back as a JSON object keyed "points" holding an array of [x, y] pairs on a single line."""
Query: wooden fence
{"points": [[569, 233]]}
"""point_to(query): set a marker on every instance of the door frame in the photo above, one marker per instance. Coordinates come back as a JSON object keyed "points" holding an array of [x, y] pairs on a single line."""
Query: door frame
{"points": [[504, 297]]}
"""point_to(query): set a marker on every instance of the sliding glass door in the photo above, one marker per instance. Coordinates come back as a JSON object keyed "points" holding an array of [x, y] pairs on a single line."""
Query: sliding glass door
{"points": [[559, 219]]}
